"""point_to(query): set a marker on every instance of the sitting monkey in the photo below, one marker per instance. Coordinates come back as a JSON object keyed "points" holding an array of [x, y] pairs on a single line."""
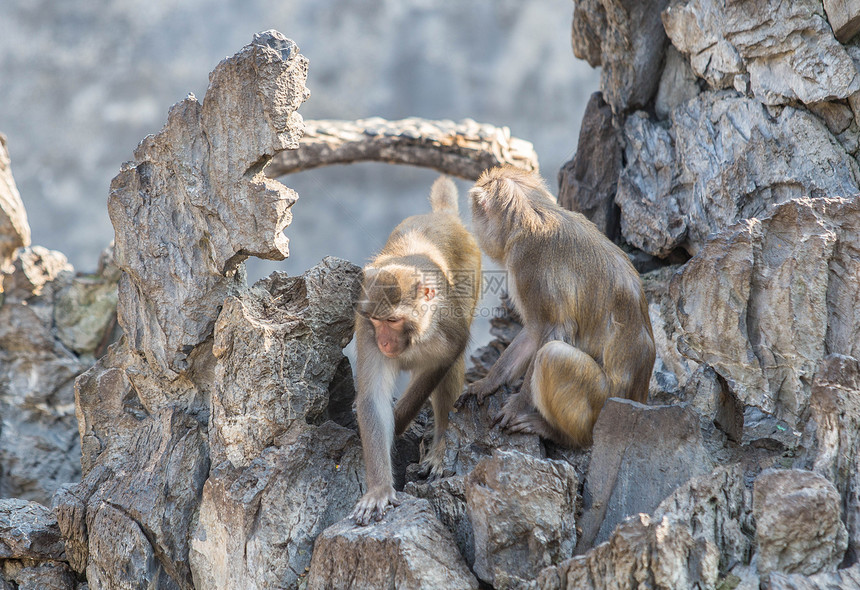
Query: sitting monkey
{"points": [[586, 331], [416, 305]]}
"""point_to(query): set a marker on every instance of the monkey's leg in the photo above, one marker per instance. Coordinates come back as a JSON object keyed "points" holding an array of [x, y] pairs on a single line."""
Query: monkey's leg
{"points": [[420, 387], [376, 423], [513, 363], [569, 389], [442, 400]]}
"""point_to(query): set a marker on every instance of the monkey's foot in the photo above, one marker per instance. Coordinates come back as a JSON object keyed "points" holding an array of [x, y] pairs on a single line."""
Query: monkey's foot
{"points": [[480, 389], [532, 423], [433, 465], [374, 504], [513, 409]]}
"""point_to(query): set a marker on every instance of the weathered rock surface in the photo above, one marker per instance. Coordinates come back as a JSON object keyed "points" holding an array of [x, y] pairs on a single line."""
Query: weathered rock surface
{"points": [[39, 446], [28, 531], [278, 346], [678, 84], [844, 17], [447, 496], [785, 299], [631, 41], [641, 454], [522, 514], [14, 229], [798, 525], [724, 158], [832, 437], [781, 51], [589, 189], [839, 580], [409, 548], [190, 208], [257, 524], [199, 190]]}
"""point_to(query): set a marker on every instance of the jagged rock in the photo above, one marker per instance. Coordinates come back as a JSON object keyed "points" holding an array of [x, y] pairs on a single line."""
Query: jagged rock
{"points": [[677, 83], [781, 51], [588, 182], [641, 454], [798, 526], [194, 203], [641, 553], [844, 17], [833, 436], [278, 346], [522, 514], [767, 299], [409, 548], [28, 531], [839, 580], [190, 208], [257, 524], [447, 496], [724, 158], [14, 229], [631, 40], [39, 445], [23, 575]]}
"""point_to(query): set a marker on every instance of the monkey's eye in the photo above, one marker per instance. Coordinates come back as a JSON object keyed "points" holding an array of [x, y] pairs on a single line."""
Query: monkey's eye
{"points": [[392, 320]]}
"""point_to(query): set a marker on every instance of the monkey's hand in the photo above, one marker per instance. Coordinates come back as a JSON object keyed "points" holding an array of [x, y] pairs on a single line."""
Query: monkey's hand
{"points": [[514, 408], [373, 505], [480, 389]]}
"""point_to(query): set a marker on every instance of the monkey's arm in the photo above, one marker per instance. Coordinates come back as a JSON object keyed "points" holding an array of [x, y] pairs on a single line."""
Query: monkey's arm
{"points": [[420, 387], [511, 365]]}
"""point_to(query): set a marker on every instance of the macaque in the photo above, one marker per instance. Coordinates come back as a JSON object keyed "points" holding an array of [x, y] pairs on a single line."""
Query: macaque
{"points": [[414, 313], [586, 332]]}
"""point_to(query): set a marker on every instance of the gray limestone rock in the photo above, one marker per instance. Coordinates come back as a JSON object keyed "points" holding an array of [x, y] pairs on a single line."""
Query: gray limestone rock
{"points": [[781, 51], [258, 523], [447, 496], [767, 299], [278, 346], [798, 525], [14, 229], [194, 203], [29, 531], [641, 454], [409, 548], [588, 182], [723, 158], [522, 511]]}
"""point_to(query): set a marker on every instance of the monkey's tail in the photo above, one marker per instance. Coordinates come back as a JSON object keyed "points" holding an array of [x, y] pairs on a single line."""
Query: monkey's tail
{"points": [[443, 195]]}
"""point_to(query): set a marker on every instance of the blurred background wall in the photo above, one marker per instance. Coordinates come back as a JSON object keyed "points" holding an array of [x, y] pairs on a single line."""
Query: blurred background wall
{"points": [[81, 83]]}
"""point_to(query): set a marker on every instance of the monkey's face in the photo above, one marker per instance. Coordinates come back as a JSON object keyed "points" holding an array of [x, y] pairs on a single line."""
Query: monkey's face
{"points": [[392, 335]]}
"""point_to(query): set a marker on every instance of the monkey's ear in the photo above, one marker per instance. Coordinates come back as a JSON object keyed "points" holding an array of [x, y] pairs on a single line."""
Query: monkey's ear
{"points": [[428, 293], [480, 197]]}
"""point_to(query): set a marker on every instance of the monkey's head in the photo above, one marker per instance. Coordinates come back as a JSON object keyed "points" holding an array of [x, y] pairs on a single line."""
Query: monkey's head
{"points": [[398, 303]]}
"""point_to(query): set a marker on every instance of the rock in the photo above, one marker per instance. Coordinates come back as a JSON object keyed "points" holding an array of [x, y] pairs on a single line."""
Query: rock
{"points": [[588, 182], [258, 523], [641, 454], [409, 548], [28, 531], [844, 17], [782, 51], [41, 576], [832, 437], [641, 553], [694, 536], [768, 298], [632, 41], [798, 526], [844, 578], [194, 203], [14, 229], [724, 158], [447, 496], [278, 346], [678, 84], [39, 443], [190, 208], [522, 514]]}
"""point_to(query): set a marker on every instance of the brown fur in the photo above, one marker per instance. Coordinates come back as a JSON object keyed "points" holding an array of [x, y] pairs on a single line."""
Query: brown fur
{"points": [[587, 334], [414, 314]]}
